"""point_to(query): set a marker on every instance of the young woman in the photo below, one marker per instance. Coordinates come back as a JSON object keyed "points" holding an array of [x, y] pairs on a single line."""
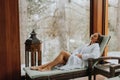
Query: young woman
{"points": [[76, 59]]}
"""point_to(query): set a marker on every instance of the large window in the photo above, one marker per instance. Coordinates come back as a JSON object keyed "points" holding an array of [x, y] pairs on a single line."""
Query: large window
{"points": [[59, 24], [114, 26]]}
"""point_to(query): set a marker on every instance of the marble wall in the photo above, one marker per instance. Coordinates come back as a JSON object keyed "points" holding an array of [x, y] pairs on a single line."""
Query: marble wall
{"points": [[59, 24]]}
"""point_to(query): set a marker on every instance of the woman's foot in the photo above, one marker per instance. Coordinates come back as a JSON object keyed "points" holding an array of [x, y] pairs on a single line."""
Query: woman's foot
{"points": [[36, 68], [45, 69]]}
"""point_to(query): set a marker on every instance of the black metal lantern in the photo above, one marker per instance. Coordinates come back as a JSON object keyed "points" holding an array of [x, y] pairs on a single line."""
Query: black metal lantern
{"points": [[33, 47]]}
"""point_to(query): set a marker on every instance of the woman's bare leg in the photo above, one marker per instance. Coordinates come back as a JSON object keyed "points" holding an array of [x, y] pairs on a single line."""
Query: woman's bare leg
{"points": [[60, 59]]}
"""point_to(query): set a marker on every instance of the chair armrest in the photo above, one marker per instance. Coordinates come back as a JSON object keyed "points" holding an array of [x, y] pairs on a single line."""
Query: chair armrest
{"points": [[116, 66], [92, 62], [105, 58]]}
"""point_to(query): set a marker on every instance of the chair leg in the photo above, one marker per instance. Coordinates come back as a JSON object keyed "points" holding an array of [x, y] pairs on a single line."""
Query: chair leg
{"points": [[89, 77], [22, 77], [94, 76]]}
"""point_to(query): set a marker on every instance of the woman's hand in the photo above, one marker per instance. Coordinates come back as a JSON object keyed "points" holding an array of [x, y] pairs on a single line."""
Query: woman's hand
{"points": [[79, 55]]}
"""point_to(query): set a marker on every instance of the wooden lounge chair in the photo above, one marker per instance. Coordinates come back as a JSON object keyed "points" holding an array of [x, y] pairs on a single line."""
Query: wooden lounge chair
{"points": [[105, 68], [64, 74]]}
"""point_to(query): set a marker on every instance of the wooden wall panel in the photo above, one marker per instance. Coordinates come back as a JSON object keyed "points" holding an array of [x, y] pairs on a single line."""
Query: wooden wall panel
{"points": [[96, 16], [106, 17], [99, 16], [105, 31], [9, 40], [3, 62]]}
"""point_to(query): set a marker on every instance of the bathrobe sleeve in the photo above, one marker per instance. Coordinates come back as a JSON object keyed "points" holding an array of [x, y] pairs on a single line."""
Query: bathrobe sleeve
{"points": [[95, 52]]}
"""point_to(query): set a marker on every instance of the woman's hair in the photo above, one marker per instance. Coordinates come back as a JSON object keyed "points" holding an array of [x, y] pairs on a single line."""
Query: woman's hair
{"points": [[100, 38]]}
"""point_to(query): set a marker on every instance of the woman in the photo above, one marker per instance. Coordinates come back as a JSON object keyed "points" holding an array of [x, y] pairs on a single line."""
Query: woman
{"points": [[78, 58]]}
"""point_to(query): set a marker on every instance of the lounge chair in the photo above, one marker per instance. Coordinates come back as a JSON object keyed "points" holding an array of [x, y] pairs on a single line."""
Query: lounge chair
{"points": [[64, 74]]}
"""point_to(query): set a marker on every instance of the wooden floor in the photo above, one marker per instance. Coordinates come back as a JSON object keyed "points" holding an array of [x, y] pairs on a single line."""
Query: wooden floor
{"points": [[98, 77]]}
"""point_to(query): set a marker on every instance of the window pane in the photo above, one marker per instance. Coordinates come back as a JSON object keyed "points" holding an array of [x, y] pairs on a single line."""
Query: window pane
{"points": [[59, 24], [77, 21], [114, 26]]}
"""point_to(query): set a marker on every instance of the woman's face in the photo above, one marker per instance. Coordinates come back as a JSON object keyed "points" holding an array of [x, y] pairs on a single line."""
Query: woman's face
{"points": [[94, 37]]}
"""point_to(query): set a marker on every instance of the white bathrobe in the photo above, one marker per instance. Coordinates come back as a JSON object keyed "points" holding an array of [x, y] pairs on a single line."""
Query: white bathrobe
{"points": [[87, 51]]}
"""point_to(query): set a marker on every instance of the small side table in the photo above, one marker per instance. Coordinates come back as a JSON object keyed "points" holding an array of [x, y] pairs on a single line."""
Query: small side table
{"points": [[114, 78]]}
